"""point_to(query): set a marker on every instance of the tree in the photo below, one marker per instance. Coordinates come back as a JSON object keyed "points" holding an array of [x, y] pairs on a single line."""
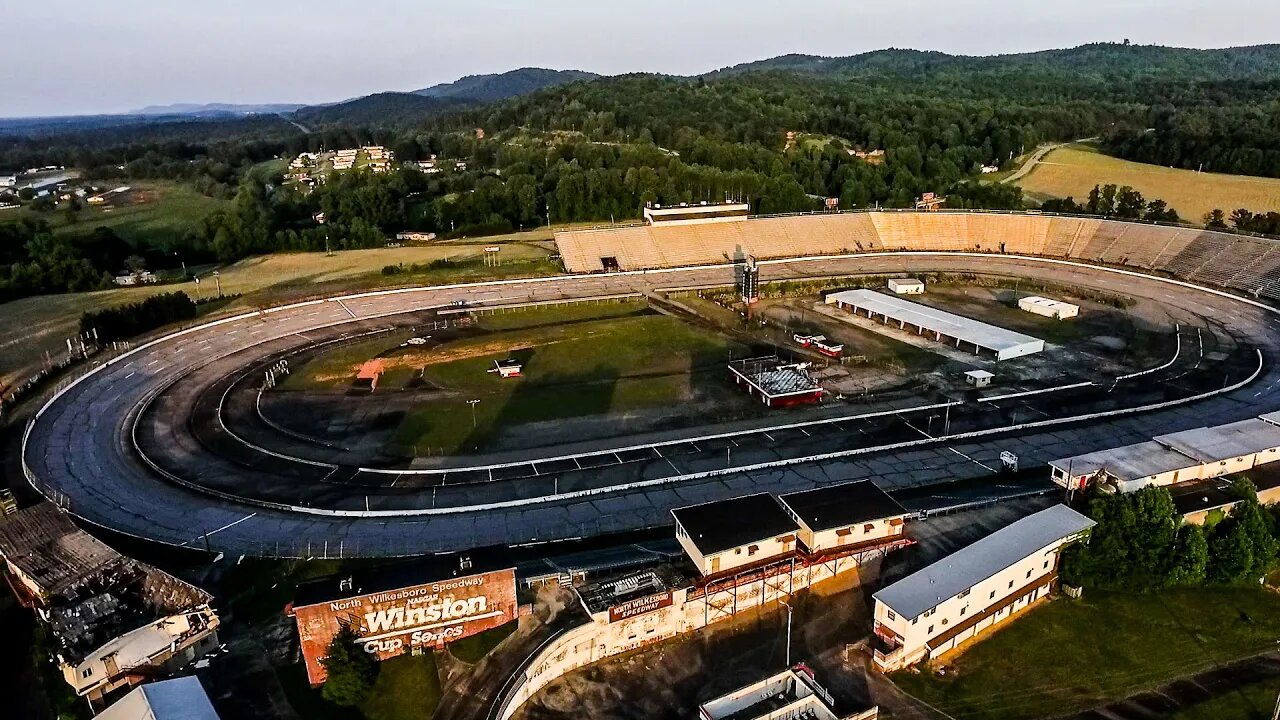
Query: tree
{"points": [[1215, 219], [351, 671], [1191, 558]]}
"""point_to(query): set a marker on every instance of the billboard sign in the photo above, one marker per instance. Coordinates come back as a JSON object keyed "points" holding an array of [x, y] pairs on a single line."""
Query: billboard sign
{"points": [[394, 622], [640, 606]]}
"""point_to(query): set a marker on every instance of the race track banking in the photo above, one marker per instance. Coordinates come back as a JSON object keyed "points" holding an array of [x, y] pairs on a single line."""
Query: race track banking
{"points": [[81, 450]]}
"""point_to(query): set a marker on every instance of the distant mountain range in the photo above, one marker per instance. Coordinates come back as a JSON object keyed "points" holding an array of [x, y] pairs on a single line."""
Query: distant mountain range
{"points": [[1097, 61], [216, 109]]}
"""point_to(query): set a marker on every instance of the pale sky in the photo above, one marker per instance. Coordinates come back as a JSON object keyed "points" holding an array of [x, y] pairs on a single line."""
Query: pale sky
{"points": [[100, 56]]}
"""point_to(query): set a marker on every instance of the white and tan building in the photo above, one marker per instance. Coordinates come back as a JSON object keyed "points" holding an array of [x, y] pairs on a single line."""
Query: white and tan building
{"points": [[731, 534], [839, 517], [1046, 307], [940, 607], [792, 693]]}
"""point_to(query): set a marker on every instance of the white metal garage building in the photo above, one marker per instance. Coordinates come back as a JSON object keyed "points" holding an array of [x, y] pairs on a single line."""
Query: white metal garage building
{"points": [[1004, 344]]}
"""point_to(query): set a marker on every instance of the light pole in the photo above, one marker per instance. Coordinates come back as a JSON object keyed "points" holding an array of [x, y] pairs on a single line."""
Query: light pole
{"points": [[218, 279], [197, 282], [787, 605], [473, 403]]}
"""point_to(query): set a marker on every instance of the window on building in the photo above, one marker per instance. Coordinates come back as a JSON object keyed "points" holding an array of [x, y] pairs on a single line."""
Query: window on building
{"points": [[964, 593], [993, 595], [86, 672], [752, 550], [868, 528], [944, 622], [1010, 584], [963, 610], [890, 615], [1028, 574], [930, 629], [915, 620], [1046, 564]]}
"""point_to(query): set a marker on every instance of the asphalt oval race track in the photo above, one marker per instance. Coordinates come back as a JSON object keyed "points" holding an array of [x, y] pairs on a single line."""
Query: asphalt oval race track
{"points": [[81, 450]]}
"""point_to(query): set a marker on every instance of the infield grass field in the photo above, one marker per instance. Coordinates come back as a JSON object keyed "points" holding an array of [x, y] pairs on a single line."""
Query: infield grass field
{"points": [[1073, 170]]}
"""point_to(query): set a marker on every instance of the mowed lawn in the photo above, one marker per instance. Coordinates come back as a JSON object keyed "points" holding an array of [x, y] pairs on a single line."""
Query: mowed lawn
{"points": [[570, 370], [1074, 170], [1071, 655], [31, 326]]}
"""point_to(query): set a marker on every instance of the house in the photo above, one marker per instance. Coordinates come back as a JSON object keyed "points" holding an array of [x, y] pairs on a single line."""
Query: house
{"points": [[935, 610], [725, 535], [844, 515]]}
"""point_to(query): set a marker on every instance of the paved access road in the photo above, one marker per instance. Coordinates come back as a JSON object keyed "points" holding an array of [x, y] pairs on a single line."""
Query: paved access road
{"points": [[80, 450]]}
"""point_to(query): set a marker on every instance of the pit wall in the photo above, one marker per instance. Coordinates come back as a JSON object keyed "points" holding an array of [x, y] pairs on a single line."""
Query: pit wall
{"points": [[691, 609]]}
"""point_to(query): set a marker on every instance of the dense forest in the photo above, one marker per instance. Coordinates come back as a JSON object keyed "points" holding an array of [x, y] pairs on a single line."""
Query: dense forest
{"points": [[598, 149]]}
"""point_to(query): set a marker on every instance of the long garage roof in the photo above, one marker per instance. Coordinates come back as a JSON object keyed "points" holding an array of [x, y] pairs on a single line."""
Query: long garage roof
{"points": [[956, 326], [1130, 462]]}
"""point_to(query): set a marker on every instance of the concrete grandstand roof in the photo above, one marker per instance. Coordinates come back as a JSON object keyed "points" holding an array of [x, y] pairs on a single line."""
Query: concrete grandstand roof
{"points": [[961, 570], [962, 328], [1223, 442]]}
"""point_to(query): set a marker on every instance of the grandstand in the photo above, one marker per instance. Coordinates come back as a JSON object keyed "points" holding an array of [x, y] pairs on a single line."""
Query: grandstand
{"points": [[1247, 264]]}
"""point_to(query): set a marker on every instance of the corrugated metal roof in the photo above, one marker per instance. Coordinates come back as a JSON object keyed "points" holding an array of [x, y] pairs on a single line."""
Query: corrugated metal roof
{"points": [[950, 324], [178, 699], [1211, 444], [1130, 462], [961, 570]]}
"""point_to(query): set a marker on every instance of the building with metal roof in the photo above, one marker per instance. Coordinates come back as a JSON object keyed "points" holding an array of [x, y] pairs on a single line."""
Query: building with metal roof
{"points": [[181, 698], [982, 337], [944, 604], [775, 383]]}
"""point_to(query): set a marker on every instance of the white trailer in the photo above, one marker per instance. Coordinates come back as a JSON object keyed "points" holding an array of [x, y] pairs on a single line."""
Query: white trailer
{"points": [[1055, 309]]}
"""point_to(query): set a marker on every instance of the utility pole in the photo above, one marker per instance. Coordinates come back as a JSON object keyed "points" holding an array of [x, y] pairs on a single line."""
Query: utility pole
{"points": [[787, 605], [472, 403]]}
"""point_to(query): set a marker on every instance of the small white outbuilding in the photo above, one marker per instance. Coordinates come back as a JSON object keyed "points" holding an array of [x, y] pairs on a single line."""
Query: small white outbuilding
{"points": [[1055, 309], [906, 286]]}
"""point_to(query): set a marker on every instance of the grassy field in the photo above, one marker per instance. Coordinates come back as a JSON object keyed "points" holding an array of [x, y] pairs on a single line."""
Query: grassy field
{"points": [[472, 649], [573, 370], [1074, 170], [31, 326], [408, 688], [578, 361], [1071, 655], [164, 212]]}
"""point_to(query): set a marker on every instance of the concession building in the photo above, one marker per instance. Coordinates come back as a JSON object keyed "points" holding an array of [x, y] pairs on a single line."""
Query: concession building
{"points": [[966, 333], [936, 609], [727, 534]]}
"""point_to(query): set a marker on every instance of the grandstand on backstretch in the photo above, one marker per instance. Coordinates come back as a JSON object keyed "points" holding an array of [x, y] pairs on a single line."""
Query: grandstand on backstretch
{"points": [[1218, 259]]}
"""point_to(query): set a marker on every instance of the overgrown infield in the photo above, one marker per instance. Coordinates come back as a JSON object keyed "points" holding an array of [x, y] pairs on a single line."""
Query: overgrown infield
{"points": [[1074, 170]]}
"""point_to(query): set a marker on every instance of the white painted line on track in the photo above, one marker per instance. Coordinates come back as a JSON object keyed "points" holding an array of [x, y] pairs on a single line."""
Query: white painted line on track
{"points": [[231, 524]]}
